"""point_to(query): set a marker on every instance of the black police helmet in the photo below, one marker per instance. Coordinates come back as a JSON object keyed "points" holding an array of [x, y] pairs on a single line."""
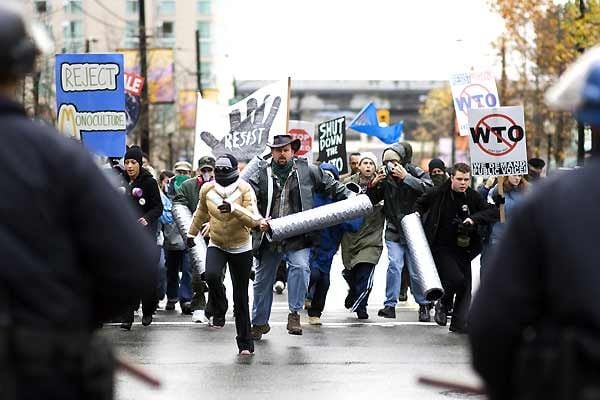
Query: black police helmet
{"points": [[17, 49]]}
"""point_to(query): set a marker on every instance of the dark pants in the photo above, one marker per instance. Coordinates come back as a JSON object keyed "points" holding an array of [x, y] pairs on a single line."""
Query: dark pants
{"points": [[178, 261], [360, 283], [281, 272], [454, 268], [405, 278], [239, 269], [318, 286]]}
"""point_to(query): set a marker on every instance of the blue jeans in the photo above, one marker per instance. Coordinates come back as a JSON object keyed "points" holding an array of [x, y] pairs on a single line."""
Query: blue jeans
{"points": [[396, 253], [297, 283], [179, 289], [162, 282]]}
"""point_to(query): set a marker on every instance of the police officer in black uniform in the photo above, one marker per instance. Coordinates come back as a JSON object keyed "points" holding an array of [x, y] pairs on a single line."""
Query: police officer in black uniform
{"points": [[64, 267]]}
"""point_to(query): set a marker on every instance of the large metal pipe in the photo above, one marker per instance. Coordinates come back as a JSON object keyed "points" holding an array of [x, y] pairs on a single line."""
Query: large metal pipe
{"points": [[319, 218], [420, 256], [183, 219]]}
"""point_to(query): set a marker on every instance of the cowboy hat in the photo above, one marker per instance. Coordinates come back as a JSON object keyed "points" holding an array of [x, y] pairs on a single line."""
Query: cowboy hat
{"points": [[284, 140]]}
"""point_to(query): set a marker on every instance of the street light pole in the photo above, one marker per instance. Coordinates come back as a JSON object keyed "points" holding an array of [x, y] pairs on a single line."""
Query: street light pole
{"points": [[580, 127], [144, 116], [198, 63]]}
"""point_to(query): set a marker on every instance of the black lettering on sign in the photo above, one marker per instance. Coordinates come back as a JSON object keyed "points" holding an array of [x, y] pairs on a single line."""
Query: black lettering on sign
{"points": [[514, 133]]}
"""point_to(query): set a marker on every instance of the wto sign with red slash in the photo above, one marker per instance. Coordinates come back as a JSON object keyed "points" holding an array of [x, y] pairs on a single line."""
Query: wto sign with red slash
{"points": [[497, 141]]}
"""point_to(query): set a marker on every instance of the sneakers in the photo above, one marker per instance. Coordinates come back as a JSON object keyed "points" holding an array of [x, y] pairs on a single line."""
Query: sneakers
{"points": [[218, 322], [186, 308], [126, 325], [362, 314], [147, 320], [387, 312], [293, 325], [424, 313], [259, 330], [314, 320], [349, 301], [246, 352], [170, 305], [198, 316], [440, 317], [279, 287]]}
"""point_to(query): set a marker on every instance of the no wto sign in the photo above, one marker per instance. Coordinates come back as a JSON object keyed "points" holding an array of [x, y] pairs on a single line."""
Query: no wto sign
{"points": [[497, 141]]}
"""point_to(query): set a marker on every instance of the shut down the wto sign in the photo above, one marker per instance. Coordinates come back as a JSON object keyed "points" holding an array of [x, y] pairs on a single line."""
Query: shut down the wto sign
{"points": [[246, 138]]}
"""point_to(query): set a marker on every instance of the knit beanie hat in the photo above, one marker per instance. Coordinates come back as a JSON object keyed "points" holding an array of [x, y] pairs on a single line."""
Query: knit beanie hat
{"points": [[226, 170], [436, 163], [134, 153], [368, 155]]}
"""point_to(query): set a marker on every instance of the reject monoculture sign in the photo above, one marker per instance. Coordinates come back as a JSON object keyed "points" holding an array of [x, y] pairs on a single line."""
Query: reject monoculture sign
{"points": [[90, 97], [497, 141], [472, 90], [332, 143]]}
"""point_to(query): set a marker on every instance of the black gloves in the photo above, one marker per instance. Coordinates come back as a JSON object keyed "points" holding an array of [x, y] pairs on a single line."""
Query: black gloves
{"points": [[225, 207], [190, 242], [498, 199]]}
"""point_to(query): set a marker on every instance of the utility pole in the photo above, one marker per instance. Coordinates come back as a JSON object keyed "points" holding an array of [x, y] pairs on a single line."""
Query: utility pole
{"points": [[580, 127], [144, 115], [198, 64], [503, 77]]}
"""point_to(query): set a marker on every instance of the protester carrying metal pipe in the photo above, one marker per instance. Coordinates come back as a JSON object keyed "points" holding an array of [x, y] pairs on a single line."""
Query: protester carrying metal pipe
{"points": [[450, 215], [285, 186], [399, 184], [229, 205]]}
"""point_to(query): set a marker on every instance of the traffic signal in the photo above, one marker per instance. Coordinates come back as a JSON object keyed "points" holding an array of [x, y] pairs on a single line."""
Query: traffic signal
{"points": [[383, 117]]}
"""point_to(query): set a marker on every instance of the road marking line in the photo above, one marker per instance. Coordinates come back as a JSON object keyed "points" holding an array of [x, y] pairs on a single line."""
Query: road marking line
{"points": [[325, 324]]}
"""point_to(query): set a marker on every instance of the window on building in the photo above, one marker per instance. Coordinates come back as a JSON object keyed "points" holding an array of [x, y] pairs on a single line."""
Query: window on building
{"points": [[131, 7], [205, 69], [204, 29], [167, 30], [205, 49], [72, 29], [74, 46], [41, 7], [166, 7], [132, 32], [203, 7], [74, 6]]}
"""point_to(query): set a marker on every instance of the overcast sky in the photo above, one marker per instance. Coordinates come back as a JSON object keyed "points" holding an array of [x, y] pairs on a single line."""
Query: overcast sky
{"points": [[351, 39]]}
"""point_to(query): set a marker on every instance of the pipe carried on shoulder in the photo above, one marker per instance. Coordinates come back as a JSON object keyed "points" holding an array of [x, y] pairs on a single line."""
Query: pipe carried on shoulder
{"points": [[183, 219], [420, 255], [319, 218]]}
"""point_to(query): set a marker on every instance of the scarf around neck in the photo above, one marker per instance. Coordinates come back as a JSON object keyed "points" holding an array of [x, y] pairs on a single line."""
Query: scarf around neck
{"points": [[282, 171]]}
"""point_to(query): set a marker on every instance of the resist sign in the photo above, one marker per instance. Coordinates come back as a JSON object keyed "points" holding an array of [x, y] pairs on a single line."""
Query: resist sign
{"points": [[497, 141]]}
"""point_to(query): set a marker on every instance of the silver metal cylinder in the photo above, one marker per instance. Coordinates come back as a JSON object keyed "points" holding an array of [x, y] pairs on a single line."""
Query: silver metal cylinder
{"points": [[183, 219], [319, 218], [420, 256], [250, 168]]}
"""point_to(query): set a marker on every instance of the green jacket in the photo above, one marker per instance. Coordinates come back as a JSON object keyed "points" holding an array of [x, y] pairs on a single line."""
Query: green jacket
{"points": [[189, 193], [366, 245]]}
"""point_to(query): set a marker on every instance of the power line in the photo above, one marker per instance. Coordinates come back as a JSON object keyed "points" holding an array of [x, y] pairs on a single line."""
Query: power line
{"points": [[106, 24], [108, 10]]}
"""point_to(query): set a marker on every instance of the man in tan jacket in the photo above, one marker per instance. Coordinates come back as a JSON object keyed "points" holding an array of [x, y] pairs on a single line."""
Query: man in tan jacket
{"points": [[228, 204]]}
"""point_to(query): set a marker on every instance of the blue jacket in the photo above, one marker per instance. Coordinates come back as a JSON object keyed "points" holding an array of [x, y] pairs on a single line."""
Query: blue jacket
{"points": [[511, 200], [321, 256]]}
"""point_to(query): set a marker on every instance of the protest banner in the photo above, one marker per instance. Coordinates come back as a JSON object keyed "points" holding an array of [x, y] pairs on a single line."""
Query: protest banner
{"points": [[304, 131], [497, 141], [160, 79], [472, 90], [332, 143], [186, 100], [245, 128], [90, 101], [133, 105]]}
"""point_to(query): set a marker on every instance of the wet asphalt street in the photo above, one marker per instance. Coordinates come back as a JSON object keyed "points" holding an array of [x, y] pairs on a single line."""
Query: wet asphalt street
{"points": [[343, 358]]}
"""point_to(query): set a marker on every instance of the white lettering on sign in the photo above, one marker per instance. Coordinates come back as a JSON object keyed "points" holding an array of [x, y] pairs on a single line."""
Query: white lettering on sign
{"points": [[88, 77]]}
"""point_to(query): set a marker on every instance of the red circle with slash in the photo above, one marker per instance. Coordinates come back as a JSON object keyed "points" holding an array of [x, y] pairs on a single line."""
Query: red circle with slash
{"points": [[510, 145]]}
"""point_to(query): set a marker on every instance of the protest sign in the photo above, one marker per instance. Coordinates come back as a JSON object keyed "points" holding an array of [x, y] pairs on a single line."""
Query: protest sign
{"points": [[133, 104], [472, 90], [90, 99], [160, 78], [304, 131], [332, 143], [497, 141], [245, 128]]}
